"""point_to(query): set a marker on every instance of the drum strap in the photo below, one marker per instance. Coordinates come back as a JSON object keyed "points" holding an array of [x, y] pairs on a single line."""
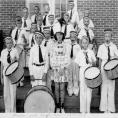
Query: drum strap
{"points": [[16, 35], [65, 32], [71, 55], [52, 33], [44, 20]]}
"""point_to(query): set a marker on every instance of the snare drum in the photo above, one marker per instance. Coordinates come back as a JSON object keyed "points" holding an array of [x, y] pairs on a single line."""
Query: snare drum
{"points": [[111, 69], [39, 100], [14, 72], [92, 77]]}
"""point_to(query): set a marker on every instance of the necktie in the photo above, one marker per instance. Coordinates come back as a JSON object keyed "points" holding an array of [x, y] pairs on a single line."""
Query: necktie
{"points": [[25, 25], [45, 43], [87, 33], [71, 55], [86, 56], [108, 53], [8, 57], [44, 20], [40, 55], [16, 35], [32, 42], [52, 33], [65, 32], [35, 20], [71, 15]]}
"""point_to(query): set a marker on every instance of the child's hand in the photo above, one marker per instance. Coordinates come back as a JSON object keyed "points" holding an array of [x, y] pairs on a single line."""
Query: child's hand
{"points": [[32, 78], [44, 77]]}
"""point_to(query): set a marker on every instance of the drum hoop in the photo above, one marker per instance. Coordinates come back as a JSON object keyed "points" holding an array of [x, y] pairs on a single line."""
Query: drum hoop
{"points": [[36, 90], [109, 61], [18, 80], [94, 77], [13, 71], [97, 86]]}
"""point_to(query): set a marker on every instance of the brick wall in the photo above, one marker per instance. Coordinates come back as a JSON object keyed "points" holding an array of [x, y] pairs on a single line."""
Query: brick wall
{"points": [[8, 10], [104, 13]]}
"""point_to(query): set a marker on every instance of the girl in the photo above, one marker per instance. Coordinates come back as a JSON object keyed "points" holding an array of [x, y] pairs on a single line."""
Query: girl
{"points": [[85, 58], [59, 60]]}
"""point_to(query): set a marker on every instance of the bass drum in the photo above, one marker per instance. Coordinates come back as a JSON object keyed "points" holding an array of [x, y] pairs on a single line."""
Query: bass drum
{"points": [[39, 100]]}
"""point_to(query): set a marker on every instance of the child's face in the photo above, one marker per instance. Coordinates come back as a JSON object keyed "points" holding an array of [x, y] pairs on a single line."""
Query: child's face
{"points": [[86, 21], [66, 18], [33, 28], [38, 39], [9, 43], [84, 44], [108, 36], [59, 37], [25, 13], [46, 8], [19, 24], [47, 35], [36, 10], [39, 20], [86, 13], [71, 5], [73, 37], [51, 20]]}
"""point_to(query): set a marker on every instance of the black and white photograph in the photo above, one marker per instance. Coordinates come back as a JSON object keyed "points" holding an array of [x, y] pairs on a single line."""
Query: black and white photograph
{"points": [[59, 57]]}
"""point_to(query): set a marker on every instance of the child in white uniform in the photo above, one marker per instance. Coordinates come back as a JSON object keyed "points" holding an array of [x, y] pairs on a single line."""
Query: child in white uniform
{"points": [[38, 61], [85, 58], [107, 51], [8, 56], [73, 83]]}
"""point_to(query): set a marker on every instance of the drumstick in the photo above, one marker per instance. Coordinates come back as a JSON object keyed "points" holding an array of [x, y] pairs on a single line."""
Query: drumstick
{"points": [[59, 98]]}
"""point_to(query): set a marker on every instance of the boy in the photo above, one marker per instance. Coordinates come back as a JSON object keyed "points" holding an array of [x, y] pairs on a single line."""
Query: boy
{"points": [[38, 61], [107, 51], [81, 23], [16, 31], [31, 36], [46, 13], [73, 68], [85, 58], [36, 13], [8, 55], [73, 14]]}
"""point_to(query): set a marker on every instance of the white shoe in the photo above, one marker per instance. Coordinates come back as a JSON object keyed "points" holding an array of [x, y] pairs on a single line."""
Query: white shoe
{"points": [[58, 110], [62, 110], [76, 91], [70, 92]]}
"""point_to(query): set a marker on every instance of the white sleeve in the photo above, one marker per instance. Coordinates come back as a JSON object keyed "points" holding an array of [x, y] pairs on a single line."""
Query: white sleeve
{"points": [[91, 25], [31, 62], [116, 50], [93, 56], [99, 54]]}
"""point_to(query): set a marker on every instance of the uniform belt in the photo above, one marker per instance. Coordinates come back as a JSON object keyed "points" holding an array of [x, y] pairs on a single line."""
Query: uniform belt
{"points": [[38, 64]]}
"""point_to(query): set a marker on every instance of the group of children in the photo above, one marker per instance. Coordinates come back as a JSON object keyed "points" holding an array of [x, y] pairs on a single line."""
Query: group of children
{"points": [[60, 51]]}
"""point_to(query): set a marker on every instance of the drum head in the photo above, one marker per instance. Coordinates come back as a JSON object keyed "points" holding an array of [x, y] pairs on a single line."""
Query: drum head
{"points": [[39, 101], [91, 73], [111, 64], [11, 68]]}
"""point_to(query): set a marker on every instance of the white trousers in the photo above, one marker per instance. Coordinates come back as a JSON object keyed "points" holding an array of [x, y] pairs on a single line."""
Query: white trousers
{"points": [[107, 102], [9, 96], [85, 93]]}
